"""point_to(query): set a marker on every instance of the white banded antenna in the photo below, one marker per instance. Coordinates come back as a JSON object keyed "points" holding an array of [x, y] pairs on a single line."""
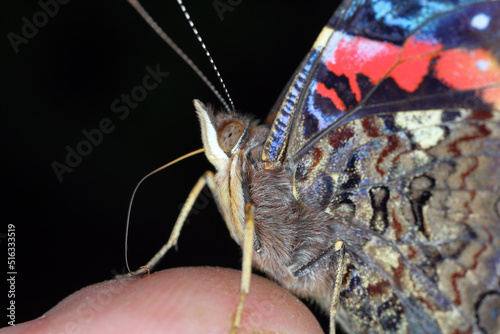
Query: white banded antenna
{"points": [[145, 15], [207, 53]]}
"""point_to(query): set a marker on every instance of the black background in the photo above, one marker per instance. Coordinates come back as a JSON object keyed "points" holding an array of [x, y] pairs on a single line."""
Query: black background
{"points": [[71, 234]]}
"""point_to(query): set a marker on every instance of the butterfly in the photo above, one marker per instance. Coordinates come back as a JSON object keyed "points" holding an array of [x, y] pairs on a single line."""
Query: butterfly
{"points": [[373, 187]]}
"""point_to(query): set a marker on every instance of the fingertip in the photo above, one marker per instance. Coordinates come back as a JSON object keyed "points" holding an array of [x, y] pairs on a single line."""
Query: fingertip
{"points": [[181, 300]]}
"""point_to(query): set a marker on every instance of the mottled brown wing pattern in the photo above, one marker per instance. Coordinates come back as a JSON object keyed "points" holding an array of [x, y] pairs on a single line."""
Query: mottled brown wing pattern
{"points": [[423, 189]]}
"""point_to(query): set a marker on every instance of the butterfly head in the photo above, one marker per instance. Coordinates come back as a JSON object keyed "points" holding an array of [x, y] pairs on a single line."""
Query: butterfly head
{"points": [[223, 136], [227, 138]]}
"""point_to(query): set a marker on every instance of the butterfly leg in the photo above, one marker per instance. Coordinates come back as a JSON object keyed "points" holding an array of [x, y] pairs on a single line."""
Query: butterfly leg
{"points": [[246, 267], [206, 179], [337, 280], [334, 255]]}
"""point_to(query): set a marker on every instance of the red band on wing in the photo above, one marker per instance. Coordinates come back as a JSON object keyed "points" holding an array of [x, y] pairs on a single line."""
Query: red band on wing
{"points": [[463, 69], [374, 59], [355, 55], [459, 69], [331, 94]]}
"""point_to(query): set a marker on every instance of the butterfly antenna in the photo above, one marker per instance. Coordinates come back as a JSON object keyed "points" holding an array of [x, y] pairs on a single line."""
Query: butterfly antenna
{"points": [[207, 53], [145, 15], [201, 150]]}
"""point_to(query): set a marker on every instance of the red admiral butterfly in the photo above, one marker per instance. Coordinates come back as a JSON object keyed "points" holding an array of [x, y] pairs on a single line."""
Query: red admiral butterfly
{"points": [[374, 186]]}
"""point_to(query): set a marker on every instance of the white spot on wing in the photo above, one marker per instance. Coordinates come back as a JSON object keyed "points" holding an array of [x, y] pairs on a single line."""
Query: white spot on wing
{"points": [[428, 137], [480, 21], [424, 126], [482, 65], [418, 119]]}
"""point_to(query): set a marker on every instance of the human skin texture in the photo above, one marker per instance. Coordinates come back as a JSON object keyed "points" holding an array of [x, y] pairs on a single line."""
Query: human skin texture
{"points": [[181, 300]]}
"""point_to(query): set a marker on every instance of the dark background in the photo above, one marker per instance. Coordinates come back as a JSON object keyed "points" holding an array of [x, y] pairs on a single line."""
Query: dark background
{"points": [[71, 234]]}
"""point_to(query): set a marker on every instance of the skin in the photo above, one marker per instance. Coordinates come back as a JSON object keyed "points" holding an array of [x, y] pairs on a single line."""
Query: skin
{"points": [[181, 300]]}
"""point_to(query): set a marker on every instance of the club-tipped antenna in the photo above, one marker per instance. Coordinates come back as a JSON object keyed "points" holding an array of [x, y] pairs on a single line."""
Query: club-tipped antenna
{"points": [[201, 150], [145, 15]]}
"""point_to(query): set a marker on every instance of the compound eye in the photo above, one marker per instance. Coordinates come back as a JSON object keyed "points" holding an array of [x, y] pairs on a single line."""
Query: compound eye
{"points": [[229, 135]]}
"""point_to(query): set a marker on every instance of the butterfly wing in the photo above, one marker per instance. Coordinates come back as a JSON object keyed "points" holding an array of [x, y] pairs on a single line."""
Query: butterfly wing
{"points": [[392, 124]]}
